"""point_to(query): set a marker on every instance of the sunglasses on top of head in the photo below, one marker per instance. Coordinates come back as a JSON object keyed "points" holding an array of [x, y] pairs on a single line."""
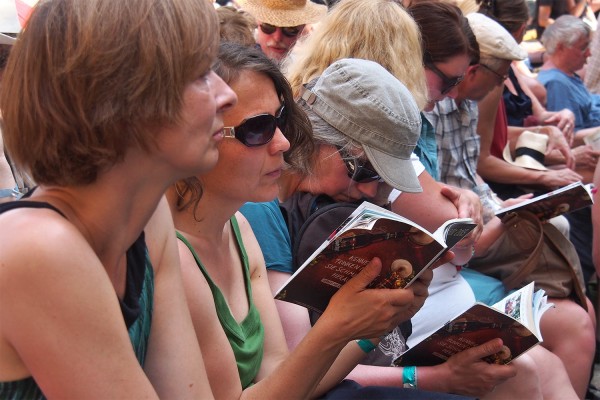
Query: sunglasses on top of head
{"points": [[359, 171], [257, 130], [289, 31], [449, 83]]}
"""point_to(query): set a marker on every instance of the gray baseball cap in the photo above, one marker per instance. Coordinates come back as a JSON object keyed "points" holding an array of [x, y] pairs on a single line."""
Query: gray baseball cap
{"points": [[365, 102]]}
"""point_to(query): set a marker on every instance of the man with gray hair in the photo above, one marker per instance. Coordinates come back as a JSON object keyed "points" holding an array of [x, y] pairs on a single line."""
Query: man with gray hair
{"points": [[567, 43]]}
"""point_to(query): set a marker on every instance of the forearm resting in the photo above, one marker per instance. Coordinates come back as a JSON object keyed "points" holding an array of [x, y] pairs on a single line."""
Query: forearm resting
{"points": [[495, 170]]}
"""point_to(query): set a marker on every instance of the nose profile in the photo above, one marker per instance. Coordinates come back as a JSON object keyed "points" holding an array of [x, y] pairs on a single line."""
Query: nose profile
{"points": [[279, 143]]}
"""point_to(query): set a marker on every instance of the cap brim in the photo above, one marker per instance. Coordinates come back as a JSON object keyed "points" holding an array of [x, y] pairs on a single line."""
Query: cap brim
{"points": [[6, 39], [396, 172], [524, 161]]}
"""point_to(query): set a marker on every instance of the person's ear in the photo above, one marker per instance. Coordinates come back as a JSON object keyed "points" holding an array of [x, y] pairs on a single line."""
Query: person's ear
{"points": [[471, 70]]}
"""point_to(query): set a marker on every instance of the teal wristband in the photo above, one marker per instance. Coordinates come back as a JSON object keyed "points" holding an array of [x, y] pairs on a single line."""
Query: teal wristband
{"points": [[409, 377], [366, 345]]}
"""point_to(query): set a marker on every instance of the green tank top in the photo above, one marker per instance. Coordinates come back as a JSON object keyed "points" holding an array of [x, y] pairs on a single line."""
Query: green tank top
{"points": [[246, 338]]}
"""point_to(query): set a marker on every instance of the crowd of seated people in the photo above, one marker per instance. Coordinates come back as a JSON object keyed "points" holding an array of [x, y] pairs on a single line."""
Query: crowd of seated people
{"points": [[169, 142]]}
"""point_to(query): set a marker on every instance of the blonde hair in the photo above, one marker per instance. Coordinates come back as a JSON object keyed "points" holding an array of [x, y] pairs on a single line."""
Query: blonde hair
{"points": [[375, 30]]}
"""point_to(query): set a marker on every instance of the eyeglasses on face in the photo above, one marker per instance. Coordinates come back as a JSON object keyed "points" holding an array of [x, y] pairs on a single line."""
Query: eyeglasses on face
{"points": [[501, 78], [359, 171], [257, 130], [289, 31], [448, 83]]}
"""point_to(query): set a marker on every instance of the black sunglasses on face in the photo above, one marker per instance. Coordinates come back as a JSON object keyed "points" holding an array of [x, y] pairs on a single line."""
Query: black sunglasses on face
{"points": [[289, 31], [361, 173], [257, 130], [449, 83]]}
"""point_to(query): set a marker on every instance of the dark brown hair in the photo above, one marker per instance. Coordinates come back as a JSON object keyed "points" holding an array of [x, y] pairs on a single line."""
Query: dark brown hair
{"points": [[445, 31]]}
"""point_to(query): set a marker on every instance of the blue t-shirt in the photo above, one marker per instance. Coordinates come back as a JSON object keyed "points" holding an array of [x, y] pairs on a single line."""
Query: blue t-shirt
{"points": [[272, 234], [564, 91], [426, 148]]}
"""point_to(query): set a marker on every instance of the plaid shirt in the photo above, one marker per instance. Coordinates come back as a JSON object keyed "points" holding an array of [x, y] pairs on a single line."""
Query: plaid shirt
{"points": [[457, 141]]}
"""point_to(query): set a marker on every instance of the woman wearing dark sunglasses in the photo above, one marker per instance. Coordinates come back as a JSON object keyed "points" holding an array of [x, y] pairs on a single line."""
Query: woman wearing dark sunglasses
{"points": [[225, 279]]}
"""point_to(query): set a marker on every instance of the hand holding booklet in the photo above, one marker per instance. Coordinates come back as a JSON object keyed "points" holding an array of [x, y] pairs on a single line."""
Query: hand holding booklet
{"points": [[405, 249], [514, 319]]}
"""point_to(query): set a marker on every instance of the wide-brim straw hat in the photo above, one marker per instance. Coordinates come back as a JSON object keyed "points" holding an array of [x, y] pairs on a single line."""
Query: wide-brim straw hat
{"points": [[529, 151], [284, 13]]}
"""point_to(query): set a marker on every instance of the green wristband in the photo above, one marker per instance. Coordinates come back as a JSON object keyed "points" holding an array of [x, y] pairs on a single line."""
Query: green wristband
{"points": [[366, 345], [409, 377]]}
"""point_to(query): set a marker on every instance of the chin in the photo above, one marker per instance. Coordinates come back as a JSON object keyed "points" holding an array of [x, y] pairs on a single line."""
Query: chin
{"points": [[263, 196], [209, 161]]}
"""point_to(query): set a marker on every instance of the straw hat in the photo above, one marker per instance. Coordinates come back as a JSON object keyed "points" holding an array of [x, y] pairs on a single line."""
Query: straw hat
{"points": [[284, 13], [529, 151]]}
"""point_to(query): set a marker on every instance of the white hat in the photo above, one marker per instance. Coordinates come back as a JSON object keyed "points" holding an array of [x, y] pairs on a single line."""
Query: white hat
{"points": [[493, 39], [284, 13], [529, 151]]}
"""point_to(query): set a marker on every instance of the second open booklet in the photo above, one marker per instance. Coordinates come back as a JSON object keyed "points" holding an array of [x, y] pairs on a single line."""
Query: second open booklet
{"points": [[405, 249], [515, 319]]}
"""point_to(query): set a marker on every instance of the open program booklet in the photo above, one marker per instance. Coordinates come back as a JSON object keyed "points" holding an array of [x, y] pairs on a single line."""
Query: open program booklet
{"points": [[405, 250], [557, 202], [515, 319]]}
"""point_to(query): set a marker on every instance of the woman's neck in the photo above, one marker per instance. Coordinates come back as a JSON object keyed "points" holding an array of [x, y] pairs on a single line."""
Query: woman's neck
{"points": [[208, 219], [110, 213]]}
